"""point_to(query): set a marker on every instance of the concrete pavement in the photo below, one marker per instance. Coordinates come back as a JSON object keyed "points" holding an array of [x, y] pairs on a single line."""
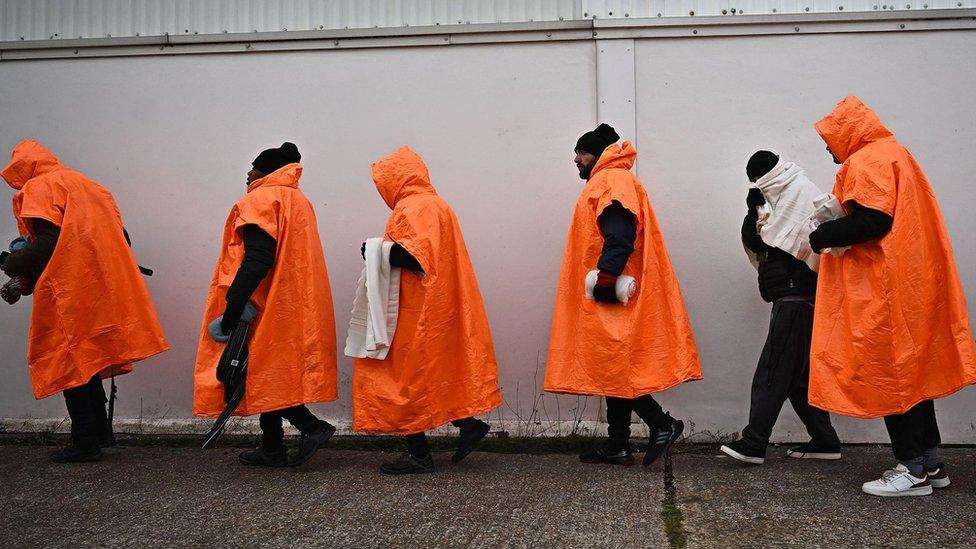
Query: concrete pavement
{"points": [[172, 496]]}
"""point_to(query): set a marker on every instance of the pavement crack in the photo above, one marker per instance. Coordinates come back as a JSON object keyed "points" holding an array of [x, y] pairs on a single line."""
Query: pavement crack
{"points": [[670, 512]]}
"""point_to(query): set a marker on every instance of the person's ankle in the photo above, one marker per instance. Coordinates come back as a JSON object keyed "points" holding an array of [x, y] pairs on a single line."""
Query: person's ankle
{"points": [[914, 466], [319, 425], [616, 446]]}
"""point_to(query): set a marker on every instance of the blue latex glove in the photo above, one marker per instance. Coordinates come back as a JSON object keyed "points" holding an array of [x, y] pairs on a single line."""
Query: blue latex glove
{"points": [[19, 243], [250, 311]]}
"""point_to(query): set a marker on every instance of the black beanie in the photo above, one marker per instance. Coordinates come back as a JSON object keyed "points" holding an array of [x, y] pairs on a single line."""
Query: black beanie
{"points": [[271, 160], [760, 163], [595, 141]]}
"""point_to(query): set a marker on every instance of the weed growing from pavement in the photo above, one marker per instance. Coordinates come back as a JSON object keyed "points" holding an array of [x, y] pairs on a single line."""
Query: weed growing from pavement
{"points": [[670, 512]]}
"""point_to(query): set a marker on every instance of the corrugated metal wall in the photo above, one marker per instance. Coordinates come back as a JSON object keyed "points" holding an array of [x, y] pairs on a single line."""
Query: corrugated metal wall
{"points": [[53, 19], [686, 8], [58, 19]]}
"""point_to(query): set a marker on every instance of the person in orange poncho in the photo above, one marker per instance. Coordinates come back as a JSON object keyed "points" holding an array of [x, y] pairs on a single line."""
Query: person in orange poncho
{"points": [[441, 364], [891, 330], [92, 315], [601, 346], [271, 256]]}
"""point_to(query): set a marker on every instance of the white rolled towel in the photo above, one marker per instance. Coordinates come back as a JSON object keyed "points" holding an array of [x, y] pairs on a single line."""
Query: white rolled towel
{"points": [[376, 306], [626, 286], [827, 208]]}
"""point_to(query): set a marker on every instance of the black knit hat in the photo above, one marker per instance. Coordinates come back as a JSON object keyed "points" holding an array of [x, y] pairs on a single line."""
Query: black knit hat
{"points": [[760, 163], [595, 141], [273, 159]]}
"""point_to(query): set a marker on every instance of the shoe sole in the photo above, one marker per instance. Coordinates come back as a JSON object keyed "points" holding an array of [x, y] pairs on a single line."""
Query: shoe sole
{"points": [[259, 464], [256, 464], [84, 460], [813, 455], [939, 482], [304, 456], [921, 491], [398, 473], [627, 463], [461, 454], [679, 428], [742, 457]]}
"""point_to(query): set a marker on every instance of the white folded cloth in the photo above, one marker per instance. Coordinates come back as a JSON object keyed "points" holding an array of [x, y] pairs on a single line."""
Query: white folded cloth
{"points": [[827, 208], [784, 218], [376, 306], [626, 286]]}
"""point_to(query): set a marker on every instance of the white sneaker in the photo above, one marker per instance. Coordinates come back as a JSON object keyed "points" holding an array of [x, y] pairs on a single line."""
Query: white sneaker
{"points": [[898, 482], [741, 452]]}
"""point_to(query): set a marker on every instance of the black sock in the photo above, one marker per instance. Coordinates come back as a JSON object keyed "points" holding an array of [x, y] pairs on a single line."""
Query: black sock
{"points": [[417, 445]]}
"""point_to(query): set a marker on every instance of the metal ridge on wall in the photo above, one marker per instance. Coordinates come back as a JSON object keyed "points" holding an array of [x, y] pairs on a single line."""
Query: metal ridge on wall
{"points": [[73, 19], [445, 35], [623, 9], [30, 20]]}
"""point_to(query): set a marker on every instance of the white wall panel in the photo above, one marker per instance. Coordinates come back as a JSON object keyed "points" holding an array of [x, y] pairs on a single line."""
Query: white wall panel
{"points": [[173, 138], [704, 106], [616, 101]]}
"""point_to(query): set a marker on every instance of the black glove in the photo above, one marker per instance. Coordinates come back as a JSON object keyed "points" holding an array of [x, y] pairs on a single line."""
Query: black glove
{"points": [[400, 257], [605, 294], [234, 314], [228, 322], [815, 240], [10, 292], [755, 198]]}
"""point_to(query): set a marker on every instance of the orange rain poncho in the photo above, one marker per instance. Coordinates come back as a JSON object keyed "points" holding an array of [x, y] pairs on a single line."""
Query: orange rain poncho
{"points": [[618, 350], [441, 365], [890, 326], [91, 310], [292, 349]]}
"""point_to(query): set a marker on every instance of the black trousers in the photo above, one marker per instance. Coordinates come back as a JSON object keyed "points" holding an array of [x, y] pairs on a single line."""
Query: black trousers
{"points": [[618, 417], [86, 408], [417, 443], [273, 435], [914, 431], [784, 373]]}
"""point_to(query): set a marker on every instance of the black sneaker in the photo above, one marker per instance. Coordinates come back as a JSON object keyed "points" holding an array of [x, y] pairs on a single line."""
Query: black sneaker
{"points": [[309, 443], [471, 435], [606, 454], [939, 477], [264, 458], [409, 465], [661, 441], [107, 440], [76, 454], [744, 452], [814, 450]]}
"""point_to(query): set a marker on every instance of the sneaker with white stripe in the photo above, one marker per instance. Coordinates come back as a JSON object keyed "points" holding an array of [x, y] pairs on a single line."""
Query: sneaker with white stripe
{"points": [[938, 476], [814, 450], [898, 482]]}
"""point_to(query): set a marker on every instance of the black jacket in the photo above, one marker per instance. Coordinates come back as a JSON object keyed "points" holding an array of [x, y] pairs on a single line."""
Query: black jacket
{"points": [[862, 225], [619, 229], [780, 274]]}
